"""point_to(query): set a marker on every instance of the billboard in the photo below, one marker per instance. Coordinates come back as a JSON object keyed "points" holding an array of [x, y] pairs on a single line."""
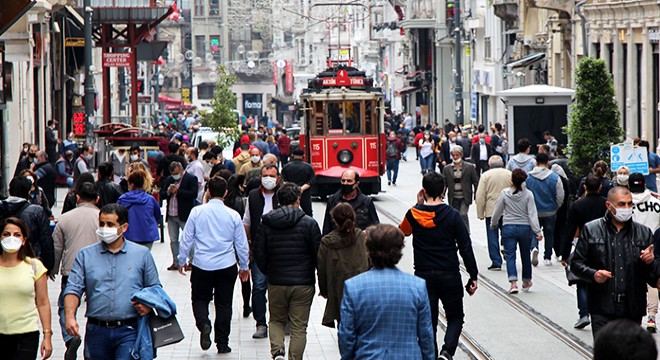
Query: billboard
{"points": [[253, 105]]}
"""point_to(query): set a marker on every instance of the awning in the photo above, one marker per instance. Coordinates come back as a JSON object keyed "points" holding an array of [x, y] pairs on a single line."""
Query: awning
{"points": [[405, 90], [167, 99], [526, 61], [180, 107], [414, 73]]}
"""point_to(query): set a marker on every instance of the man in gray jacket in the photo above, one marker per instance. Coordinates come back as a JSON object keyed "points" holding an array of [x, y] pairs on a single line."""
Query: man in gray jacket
{"points": [[461, 178], [75, 230]]}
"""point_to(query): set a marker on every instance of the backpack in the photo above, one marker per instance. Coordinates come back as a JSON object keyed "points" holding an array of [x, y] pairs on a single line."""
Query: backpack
{"points": [[391, 151]]}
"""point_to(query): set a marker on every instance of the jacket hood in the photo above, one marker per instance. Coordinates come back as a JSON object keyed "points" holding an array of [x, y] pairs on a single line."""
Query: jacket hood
{"points": [[641, 197], [540, 172], [11, 205], [243, 156], [135, 197], [284, 217], [429, 216], [335, 241], [519, 196], [522, 159]]}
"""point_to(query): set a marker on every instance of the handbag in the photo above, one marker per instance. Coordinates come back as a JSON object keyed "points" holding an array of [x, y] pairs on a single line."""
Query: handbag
{"points": [[165, 331]]}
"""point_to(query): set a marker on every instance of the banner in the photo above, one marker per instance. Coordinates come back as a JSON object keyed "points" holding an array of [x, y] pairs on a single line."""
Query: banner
{"points": [[289, 77]]}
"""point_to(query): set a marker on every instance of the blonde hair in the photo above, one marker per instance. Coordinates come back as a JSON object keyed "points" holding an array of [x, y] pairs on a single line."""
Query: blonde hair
{"points": [[148, 180]]}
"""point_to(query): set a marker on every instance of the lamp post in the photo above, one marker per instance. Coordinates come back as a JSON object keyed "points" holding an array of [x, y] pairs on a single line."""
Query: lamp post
{"points": [[458, 71], [89, 73]]}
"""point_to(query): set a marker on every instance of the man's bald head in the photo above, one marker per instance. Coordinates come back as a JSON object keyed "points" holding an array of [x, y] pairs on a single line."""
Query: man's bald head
{"points": [[350, 175], [617, 192], [270, 159]]}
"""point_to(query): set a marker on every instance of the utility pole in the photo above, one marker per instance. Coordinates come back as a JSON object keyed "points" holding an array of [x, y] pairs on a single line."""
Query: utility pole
{"points": [[89, 67], [458, 71]]}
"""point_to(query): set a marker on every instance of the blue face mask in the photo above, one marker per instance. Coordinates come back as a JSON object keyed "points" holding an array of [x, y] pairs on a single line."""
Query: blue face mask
{"points": [[482, 141]]}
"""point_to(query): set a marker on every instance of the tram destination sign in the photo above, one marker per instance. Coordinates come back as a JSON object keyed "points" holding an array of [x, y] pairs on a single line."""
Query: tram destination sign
{"points": [[342, 79]]}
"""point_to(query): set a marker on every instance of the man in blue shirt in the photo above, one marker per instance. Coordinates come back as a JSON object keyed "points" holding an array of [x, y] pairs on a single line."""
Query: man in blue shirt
{"points": [[109, 273], [654, 168], [217, 233]]}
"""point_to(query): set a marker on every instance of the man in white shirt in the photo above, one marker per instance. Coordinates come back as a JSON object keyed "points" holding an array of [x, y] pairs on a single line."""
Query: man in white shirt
{"points": [[195, 167]]}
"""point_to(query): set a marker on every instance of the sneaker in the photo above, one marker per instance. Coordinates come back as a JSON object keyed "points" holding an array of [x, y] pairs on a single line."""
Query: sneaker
{"points": [[261, 333], [72, 348], [535, 256], [513, 289], [393, 183], [247, 311], [278, 356], [444, 355], [495, 268], [205, 337], [650, 324], [526, 285], [547, 262], [224, 349], [582, 323]]}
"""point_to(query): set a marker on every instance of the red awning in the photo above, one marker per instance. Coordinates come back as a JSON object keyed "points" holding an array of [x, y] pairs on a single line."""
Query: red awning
{"points": [[413, 74], [405, 90], [180, 106], [167, 99]]}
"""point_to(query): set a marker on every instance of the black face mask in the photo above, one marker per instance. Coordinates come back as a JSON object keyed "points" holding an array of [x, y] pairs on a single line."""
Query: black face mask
{"points": [[32, 155], [346, 189]]}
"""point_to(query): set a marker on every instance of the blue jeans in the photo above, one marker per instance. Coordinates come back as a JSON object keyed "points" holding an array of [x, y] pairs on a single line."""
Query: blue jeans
{"points": [[548, 225], [493, 244], [392, 167], [445, 286], [103, 343], [60, 310], [583, 310], [259, 287], [520, 235], [426, 163]]}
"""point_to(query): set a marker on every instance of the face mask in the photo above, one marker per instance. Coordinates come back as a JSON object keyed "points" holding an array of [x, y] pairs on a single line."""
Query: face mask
{"points": [[36, 161], [268, 182], [458, 161], [30, 178], [622, 178], [89, 157], [25, 149], [176, 177], [482, 141], [346, 189], [255, 159], [623, 214], [32, 155], [107, 235], [427, 137], [11, 244], [459, 137], [134, 158]]}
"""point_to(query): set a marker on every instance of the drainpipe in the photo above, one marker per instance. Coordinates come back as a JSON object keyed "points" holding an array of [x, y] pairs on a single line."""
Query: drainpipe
{"points": [[583, 24]]}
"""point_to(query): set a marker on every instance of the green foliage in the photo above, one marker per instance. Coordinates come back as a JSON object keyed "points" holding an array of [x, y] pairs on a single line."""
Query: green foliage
{"points": [[222, 116], [594, 119]]}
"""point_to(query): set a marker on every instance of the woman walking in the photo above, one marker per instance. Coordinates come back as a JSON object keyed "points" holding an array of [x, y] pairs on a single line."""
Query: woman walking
{"points": [[520, 220], [342, 255], [24, 294], [143, 211], [426, 146]]}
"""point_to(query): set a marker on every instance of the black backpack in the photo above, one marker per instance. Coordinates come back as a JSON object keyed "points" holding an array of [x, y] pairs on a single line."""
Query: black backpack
{"points": [[391, 150]]}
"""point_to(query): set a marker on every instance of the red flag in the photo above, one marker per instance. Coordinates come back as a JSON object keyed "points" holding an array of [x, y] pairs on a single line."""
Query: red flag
{"points": [[175, 13]]}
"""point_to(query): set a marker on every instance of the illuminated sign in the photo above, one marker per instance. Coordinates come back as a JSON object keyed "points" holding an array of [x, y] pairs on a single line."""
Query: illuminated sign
{"points": [[79, 127]]}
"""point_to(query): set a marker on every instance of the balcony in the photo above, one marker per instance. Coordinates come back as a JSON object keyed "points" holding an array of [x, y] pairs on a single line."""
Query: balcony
{"points": [[420, 14], [507, 10]]}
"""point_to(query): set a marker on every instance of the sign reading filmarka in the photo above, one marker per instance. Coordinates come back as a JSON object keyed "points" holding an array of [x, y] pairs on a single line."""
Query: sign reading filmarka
{"points": [[116, 59]]}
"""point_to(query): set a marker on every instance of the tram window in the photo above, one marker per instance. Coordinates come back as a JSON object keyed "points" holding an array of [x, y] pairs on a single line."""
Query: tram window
{"points": [[317, 112], [371, 120], [335, 118], [353, 112]]}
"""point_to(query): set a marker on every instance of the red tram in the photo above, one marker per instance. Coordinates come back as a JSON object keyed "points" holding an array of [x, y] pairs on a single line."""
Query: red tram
{"points": [[343, 129]]}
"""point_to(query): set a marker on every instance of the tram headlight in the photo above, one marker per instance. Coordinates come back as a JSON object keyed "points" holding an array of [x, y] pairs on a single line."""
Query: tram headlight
{"points": [[345, 157]]}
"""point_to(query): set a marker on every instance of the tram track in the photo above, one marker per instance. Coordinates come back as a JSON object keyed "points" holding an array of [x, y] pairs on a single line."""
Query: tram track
{"points": [[474, 349]]}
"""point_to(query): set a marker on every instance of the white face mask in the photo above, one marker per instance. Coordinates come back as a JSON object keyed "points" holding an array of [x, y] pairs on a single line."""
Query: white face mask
{"points": [[11, 244], [30, 178], [458, 161], [134, 158], [622, 178], [623, 214], [268, 182], [176, 177], [107, 235], [255, 158]]}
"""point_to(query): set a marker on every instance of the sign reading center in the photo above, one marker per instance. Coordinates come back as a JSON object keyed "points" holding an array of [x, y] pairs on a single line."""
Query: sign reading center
{"points": [[116, 59]]}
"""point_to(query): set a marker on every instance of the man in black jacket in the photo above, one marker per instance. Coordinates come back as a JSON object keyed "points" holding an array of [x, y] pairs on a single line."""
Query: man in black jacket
{"points": [[285, 251], [109, 192], [163, 170], [589, 208], [260, 202], [36, 218], [614, 256], [180, 190], [46, 176], [51, 141], [302, 174], [480, 153], [365, 211]]}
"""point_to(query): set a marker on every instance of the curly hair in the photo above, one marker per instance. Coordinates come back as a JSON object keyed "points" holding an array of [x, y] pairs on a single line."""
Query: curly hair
{"points": [[384, 245]]}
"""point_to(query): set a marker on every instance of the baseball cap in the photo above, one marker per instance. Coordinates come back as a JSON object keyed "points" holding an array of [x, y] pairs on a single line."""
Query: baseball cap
{"points": [[636, 183]]}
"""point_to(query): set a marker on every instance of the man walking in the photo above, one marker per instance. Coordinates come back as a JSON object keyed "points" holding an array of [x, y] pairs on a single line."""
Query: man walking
{"points": [[196, 168], [108, 273], [481, 152], [109, 191], [46, 176], [522, 160], [365, 211], [302, 174], [284, 145], [548, 195], [180, 190], [437, 231], [615, 257], [285, 251], [375, 300], [217, 234], [260, 202], [75, 230], [461, 178], [490, 187], [51, 141], [393, 151]]}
